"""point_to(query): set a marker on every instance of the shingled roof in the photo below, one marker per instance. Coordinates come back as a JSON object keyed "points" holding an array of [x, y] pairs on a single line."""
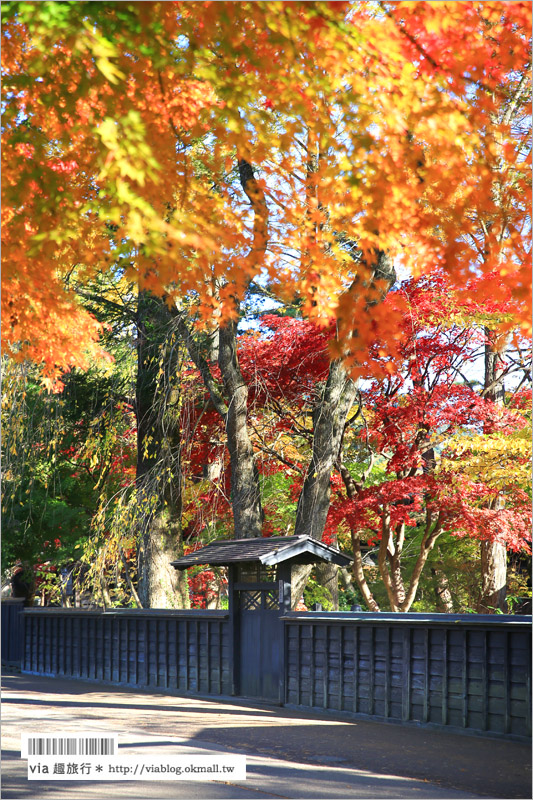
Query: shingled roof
{"points": [[271, 550]]}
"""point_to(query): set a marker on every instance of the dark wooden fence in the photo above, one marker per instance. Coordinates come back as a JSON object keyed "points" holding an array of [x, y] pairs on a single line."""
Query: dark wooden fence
{"points": [[470, 673], [12, 626], [181, 651], [464, 672]]}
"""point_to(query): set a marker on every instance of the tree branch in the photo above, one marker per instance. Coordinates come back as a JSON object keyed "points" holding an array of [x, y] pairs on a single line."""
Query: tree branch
{"points": [[202, 365]]}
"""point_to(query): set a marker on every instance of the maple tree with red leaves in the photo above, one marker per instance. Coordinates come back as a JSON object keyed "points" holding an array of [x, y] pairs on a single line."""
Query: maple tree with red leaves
{"points": [[412, 422], [420, 422]]}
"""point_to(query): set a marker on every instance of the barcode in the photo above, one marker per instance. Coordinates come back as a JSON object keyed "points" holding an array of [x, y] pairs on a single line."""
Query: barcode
{"points": [[68, 746]]}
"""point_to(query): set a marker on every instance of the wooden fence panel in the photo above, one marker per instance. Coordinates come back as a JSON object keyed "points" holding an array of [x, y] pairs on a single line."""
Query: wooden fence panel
{"points": [[467, 672], [175, 651], [459, 672]]}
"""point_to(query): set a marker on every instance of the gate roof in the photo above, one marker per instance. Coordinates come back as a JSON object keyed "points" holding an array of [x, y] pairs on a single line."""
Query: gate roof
{"points": [[267, 550]]}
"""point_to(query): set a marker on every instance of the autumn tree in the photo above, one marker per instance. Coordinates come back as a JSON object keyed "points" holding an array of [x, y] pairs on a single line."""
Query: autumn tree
{"points": [[429, 414], [411, 420], [359, 136], [513, 112], [148, 506], [91, 133]]}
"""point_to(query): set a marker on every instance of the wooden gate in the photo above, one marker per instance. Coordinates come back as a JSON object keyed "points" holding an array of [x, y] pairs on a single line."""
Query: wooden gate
{"points": [[259, 634], [259, 593]]}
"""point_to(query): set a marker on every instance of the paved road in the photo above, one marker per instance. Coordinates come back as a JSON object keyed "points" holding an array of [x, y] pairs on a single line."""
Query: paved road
{"points": [[290, 754]]}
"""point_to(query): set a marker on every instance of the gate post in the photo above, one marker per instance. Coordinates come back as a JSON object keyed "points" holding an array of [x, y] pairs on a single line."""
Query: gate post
{"points": [[12, 630], [284, 580], [234, 634]]}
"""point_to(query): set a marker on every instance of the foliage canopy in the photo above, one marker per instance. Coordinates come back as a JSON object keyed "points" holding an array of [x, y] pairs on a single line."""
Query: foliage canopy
{"points": [[378, 124]]}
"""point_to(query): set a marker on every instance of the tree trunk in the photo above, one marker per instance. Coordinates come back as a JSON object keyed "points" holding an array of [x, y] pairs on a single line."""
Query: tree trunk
{"points": [[431, 534], [385, 548], [329, 419], [245, 493], [329, 422], [159, 583], [493, 554], [359, 573], [232, 405], [493, 578], [327, 575], [442, 591], [158, 477], [233, 408]]}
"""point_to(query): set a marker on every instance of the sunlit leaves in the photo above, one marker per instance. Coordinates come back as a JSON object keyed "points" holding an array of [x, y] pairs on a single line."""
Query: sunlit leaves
{"points": [[399, 103]]}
